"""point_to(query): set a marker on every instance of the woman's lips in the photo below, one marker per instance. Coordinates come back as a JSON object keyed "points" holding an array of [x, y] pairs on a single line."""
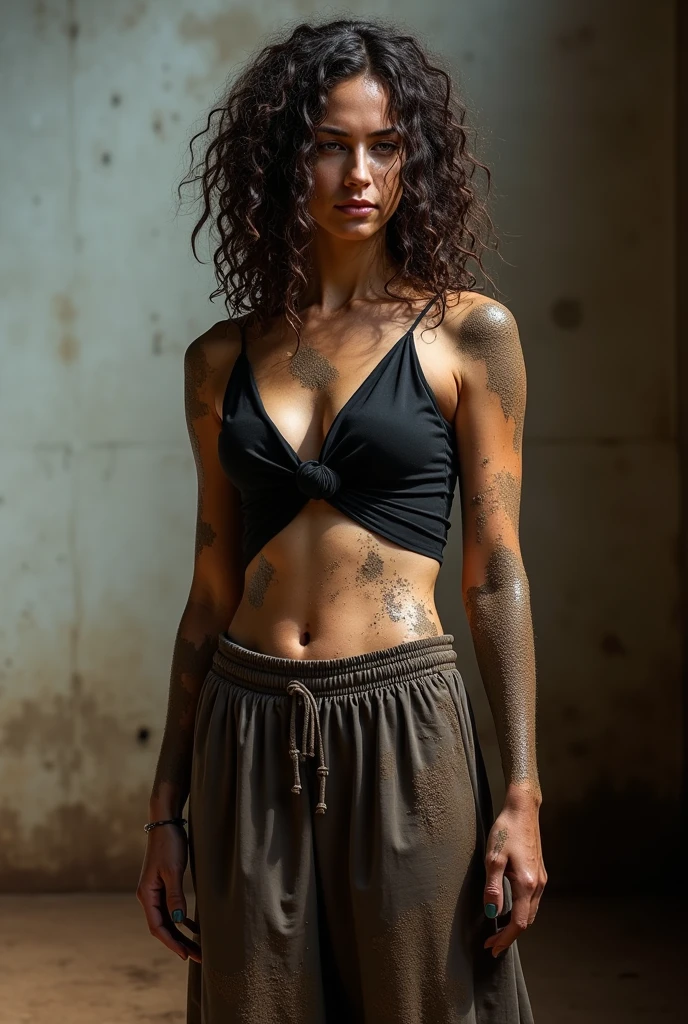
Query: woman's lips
{"points": [[356, 210]]}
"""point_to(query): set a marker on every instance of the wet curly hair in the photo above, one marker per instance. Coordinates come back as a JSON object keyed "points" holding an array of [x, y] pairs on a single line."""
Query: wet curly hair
{"points": [[256, 179]]}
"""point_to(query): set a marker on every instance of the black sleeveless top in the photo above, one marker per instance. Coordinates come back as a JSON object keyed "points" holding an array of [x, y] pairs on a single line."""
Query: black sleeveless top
{"points": [[388, 461]]}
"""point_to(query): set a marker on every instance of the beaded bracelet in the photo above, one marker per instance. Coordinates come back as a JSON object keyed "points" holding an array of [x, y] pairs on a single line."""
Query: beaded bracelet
{"points": [[166, 821]]}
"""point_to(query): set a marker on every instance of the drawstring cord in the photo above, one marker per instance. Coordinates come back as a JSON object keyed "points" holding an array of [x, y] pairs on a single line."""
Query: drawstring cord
{"points": [[311, 722]]}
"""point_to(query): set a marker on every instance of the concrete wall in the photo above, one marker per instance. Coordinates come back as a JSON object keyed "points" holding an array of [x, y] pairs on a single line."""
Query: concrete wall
{"points": [[99, 297]]}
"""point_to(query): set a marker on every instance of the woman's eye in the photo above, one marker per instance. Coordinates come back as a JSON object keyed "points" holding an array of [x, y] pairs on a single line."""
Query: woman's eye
{"points": [[332, 147]]}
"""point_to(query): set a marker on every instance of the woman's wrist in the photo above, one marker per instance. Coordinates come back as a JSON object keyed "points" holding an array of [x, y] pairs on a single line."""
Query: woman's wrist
{"points": [[523, 794], [150, 825]]}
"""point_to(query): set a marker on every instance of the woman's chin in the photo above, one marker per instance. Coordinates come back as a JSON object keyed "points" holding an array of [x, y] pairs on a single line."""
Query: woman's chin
{"points": [[358, 231]]}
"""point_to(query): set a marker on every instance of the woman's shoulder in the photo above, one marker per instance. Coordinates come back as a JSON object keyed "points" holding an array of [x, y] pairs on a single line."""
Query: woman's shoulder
{"points": [[216, 343], [481, 340], [480, 325], [210, 358], [462, 304]]}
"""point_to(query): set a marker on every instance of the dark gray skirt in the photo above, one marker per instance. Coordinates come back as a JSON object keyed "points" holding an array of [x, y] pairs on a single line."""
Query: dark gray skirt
{"points": [[338, 814]]}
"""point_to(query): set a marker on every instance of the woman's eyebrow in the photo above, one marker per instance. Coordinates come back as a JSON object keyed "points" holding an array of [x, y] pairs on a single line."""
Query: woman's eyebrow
{"points": [[331, 130]]}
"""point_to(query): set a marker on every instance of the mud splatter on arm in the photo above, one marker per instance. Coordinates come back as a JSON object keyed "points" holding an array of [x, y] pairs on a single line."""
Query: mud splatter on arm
{"points": [[217, 580], [495, 587], [194, 646]]}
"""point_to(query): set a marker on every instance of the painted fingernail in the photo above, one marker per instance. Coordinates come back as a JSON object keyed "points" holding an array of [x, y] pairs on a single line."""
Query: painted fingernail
{"points": [[491, 909], [177, 916]]}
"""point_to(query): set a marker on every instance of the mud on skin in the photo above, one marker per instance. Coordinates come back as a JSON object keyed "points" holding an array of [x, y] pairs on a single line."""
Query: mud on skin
{"points": [[372, 568], [489, 334], [500, 839], [400, 604], [502, 495], [329, 572], [500, 620], [312, 369], [260, 581], [189, 667], [394, 593], [197, 634]]}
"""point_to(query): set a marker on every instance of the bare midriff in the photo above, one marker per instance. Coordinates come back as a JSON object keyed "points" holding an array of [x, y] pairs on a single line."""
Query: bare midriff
{"points": [[325, 587]]}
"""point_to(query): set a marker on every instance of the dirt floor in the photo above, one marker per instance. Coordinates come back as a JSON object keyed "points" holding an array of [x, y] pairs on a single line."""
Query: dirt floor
{"points": [[89, 959]]}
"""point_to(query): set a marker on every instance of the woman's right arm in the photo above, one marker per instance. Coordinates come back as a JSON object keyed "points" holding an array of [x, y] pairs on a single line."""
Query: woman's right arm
{"points": [[215, 592], [217, 581]]}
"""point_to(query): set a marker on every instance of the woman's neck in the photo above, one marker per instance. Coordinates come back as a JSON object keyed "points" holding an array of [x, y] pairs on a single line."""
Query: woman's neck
{"points": [[342, 272]]}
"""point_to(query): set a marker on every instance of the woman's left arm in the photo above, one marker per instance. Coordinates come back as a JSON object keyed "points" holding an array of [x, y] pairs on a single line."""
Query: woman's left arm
{"points": [[496, 595]]}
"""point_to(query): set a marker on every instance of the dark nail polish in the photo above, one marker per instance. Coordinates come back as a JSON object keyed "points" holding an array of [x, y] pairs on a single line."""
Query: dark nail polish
{"points": [[491, 909], [177, 916]]}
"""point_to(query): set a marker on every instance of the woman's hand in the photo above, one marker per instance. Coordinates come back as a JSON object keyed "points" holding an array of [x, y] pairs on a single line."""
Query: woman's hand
{"points": [[160, 890], [514, 849]]}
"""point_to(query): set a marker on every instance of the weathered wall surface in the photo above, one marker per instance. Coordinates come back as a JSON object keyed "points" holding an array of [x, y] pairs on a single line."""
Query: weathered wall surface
{"points": [[578, 98], [99, 297]]}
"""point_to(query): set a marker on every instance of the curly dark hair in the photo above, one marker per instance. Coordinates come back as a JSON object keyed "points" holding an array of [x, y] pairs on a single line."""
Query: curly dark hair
{"points": [[256, 170]]}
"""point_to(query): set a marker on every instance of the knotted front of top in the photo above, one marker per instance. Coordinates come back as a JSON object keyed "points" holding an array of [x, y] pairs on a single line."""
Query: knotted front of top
{"points": [[316, 480], [311, 723]]}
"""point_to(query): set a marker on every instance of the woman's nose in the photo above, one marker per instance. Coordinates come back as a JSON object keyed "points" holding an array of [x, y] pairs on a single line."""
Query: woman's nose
{"points": [[359, 172]]}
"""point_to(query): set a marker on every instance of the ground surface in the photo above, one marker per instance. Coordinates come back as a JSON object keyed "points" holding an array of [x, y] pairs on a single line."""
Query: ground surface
{"points": [[89, 959]]}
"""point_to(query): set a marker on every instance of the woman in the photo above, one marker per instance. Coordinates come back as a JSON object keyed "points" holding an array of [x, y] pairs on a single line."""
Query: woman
{"points": [[342, 847]]}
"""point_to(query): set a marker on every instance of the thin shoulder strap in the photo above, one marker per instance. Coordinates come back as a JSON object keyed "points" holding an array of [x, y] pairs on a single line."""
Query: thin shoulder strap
{"points": [[422, 313]]}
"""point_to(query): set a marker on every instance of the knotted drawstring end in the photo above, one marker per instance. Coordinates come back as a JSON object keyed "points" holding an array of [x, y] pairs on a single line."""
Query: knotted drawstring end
{"points": [[323, 772], [294, 754], [311, 725]]}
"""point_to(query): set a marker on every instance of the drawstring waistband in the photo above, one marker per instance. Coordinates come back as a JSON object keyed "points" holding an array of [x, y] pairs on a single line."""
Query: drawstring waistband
{"points": [[304, 679], [311, 722]]}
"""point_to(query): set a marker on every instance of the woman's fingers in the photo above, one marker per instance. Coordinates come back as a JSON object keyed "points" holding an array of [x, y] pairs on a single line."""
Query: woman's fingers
{"points": [[526, 893], [539, 889], [151, 896], [192, 948], [175, 899], [516, 926], [534, 906], [514, 851], [493, 893]]}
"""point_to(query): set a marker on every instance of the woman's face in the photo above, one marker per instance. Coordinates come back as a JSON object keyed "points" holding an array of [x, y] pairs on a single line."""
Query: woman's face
{"points": [[358, 159]]}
